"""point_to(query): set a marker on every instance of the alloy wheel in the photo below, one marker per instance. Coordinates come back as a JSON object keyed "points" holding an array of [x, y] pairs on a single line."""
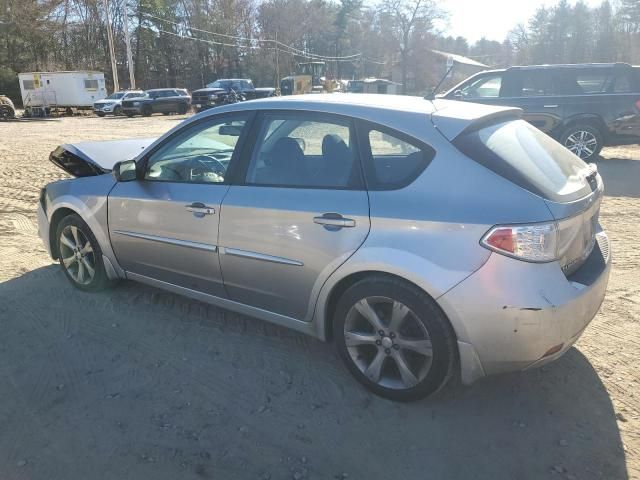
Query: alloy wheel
{"points": [[77, 255], [582, 143], [388, 343]]}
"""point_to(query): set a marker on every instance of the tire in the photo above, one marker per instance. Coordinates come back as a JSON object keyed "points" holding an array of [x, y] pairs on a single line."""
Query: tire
{"points": [[77, 266], [100, 114], [117, 111], [182, 109], [584, 140], [146, 111], [130, 115], [421, 327]]}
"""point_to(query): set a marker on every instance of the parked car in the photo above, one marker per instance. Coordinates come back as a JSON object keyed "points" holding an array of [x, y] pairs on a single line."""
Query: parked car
{"points": [[215, 93], [584, 107], [470, 247], [7, 110], [159, 100], [113, 103]]}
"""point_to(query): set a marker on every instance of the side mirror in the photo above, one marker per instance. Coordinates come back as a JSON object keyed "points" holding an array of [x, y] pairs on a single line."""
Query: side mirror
{"points": [[457, 94], [125, 171]]}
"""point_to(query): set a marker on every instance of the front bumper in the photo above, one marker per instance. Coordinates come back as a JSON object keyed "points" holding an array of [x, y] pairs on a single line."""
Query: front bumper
{"points": [[509, 314], [43, 228], [103, 108]]}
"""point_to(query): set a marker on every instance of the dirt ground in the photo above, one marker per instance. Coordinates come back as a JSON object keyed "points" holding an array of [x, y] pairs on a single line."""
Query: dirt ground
{"points": [[137, 383]]}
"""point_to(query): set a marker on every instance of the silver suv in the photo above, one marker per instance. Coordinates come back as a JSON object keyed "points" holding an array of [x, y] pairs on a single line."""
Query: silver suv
{"points": [[424, 238]]}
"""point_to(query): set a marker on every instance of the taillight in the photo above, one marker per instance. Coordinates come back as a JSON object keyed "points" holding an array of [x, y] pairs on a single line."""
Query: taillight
{"points": [[638, 104], [533, 243]]}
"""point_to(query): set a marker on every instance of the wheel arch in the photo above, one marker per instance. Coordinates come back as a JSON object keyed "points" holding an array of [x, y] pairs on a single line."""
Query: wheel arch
{"points": [[590, 119], [56, 218], [330, 295]]}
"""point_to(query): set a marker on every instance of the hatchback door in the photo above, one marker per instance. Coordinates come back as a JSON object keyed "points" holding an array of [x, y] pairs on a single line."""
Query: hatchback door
{"points": [[164, 226], [300, 212]]}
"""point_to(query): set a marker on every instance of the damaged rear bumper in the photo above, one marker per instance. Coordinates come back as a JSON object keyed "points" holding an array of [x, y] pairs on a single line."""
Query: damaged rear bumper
{"points": [[518, 315]]}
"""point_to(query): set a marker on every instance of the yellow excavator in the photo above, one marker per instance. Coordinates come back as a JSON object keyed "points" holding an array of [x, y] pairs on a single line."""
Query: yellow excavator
{"points": [[310, 77]]}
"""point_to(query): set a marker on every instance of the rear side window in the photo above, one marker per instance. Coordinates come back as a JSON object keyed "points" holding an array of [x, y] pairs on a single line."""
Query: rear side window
{"points": [[529, 158], [593, 80], [393, 160]]}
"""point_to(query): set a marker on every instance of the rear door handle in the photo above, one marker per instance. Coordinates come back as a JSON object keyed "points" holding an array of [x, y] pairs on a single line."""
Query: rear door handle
{"points": [[200, 208], [334, 220], [550, 106]]}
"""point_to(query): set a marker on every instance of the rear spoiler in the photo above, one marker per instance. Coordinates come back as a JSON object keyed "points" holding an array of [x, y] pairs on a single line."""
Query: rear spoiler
{"points": [[454, 118]]}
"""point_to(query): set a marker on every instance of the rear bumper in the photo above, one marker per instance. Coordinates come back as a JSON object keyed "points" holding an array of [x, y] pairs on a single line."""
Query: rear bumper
{"points": [[512, 313]]}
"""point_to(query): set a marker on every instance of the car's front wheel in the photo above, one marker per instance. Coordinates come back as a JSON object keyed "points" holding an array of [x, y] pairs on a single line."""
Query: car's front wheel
{"points": [[117, 111], [80, 255], [100, 114], [147, 111], [394, 338], [585, 141]]}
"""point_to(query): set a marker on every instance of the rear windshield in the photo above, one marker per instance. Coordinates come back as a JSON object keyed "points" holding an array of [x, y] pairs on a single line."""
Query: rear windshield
{"points": [[529, 158]]}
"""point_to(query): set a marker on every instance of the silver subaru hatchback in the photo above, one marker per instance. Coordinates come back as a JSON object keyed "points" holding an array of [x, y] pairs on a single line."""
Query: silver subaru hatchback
{"points": [[425, 238]]}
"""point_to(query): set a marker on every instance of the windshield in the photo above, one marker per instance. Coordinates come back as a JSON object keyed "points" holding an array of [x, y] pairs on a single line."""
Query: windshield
{"points": [[529, 158], [226, 84], [115, 96]]}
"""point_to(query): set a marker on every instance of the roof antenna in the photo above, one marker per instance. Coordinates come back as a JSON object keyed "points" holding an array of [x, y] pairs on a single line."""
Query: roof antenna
{"points": [[432, 95]]}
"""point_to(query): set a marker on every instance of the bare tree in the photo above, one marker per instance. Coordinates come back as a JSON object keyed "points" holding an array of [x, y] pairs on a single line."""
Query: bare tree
{"points": [[406, 19]]}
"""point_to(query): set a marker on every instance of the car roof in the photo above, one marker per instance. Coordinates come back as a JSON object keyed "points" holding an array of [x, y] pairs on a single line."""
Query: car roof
{"points": [[162, 89], [407, 114], [568, 66]]}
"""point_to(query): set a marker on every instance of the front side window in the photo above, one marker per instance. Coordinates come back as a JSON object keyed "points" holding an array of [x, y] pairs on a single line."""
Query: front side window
{"points": [[199, 155], [115, 96], [485, 87], [393, 160], [303, 151]]}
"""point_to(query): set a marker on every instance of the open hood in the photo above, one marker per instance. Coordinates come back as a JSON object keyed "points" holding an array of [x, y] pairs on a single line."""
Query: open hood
{"points": [[86, 159]]}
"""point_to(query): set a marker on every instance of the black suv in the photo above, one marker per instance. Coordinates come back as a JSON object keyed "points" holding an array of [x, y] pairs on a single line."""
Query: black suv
{"points": [[159, 100], [215, 93], [583, 106]]}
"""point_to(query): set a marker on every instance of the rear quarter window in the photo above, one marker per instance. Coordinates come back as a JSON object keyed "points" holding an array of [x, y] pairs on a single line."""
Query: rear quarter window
{"points": [[393, 160], [529, 158]]}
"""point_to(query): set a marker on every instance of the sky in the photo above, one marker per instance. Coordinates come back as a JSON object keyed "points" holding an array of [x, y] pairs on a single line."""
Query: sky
{"points": [[492, 19]]}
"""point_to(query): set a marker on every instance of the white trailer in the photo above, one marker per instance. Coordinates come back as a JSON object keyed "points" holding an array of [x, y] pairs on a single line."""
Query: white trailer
{"points": [[44, 91]]}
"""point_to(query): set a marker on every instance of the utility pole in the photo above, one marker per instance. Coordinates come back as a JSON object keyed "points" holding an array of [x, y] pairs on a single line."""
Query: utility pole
{"points": [[114, 66], [277, 65], [132, 78]]}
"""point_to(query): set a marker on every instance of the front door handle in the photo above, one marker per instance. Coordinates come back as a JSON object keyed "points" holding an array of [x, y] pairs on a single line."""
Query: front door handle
{"points": [[550, 106], [200, 208], [334, 220]]}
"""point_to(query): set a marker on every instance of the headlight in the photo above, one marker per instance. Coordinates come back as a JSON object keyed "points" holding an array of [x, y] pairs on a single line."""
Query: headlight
{"points": [[213, 97], [136, 104]]}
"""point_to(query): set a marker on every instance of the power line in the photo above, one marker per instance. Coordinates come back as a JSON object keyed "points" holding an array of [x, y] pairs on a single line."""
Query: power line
{"points": [[292, 50]]}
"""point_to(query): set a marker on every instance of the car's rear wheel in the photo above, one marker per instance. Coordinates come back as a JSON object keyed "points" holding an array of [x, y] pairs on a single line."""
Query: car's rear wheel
{"points": [[146, 111], [80, 255], [117, 111], [394, 338], [100, 114], [585, 141], [129, 114]]}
